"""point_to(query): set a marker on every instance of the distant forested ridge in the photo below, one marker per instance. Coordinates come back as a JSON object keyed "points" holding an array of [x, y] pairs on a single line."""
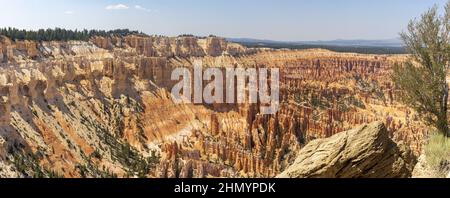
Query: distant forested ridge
{"points": [[348, 49], [60, 34]]}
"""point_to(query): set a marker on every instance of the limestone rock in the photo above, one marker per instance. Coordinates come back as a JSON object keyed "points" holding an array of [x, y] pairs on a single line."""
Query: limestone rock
{"points": [[8, 171], [1, 53], [422, 169], [364, 152], [102, 42], [215, 46]]}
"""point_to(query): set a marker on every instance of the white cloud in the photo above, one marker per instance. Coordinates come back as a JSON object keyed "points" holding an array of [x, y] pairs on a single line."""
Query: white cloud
{"points": [[117, 7], [69, 12], [142, 8]]}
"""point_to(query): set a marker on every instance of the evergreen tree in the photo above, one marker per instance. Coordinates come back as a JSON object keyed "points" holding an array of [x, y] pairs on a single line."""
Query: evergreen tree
{"points": [[59, 34], [423, 78]]}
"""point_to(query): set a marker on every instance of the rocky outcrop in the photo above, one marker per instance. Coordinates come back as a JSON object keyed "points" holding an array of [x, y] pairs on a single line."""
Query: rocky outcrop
{"points": [[1, 53], [183, 46], [11, 51], [215, 46], [364, 152], [423, 170]]}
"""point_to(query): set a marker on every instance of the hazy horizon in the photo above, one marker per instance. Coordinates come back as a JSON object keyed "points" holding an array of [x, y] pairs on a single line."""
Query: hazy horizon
{"points": [[290, 20]]}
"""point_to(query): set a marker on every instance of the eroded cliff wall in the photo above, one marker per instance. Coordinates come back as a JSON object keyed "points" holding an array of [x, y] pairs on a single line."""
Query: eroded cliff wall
{"points": [[103, 109]]}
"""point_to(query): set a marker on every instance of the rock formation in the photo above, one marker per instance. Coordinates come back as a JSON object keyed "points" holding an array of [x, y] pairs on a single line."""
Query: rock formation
{"points": [[364, 152], [103, 109]]}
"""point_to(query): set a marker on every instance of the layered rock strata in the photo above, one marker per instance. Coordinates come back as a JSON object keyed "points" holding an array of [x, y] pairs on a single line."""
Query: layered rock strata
{"points": [[103, 109]]}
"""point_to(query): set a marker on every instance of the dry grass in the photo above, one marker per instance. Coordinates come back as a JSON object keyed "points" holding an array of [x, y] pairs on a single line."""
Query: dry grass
{"points": [[437, 152]]}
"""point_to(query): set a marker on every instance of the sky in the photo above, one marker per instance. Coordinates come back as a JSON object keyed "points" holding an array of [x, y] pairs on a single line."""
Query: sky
{"points": [[282, 20]]}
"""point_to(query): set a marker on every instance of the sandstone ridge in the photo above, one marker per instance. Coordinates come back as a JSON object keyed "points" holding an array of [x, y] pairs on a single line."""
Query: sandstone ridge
{"points": [[364, 152]]}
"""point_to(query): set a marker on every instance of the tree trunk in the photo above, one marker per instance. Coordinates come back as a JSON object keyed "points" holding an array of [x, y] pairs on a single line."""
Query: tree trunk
{"points": [[443, 128], [443, 121]]}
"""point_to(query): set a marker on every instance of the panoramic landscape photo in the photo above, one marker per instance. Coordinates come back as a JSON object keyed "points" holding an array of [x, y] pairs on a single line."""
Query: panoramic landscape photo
{"points": [[224, 89]]}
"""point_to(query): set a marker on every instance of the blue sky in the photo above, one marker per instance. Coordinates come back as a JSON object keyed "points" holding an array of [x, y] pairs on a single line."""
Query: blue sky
{"points": [[288, 20]]}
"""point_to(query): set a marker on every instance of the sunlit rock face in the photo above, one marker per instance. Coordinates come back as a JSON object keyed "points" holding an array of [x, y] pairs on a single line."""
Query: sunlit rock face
{"points": [[103, 108], [363, 152]]}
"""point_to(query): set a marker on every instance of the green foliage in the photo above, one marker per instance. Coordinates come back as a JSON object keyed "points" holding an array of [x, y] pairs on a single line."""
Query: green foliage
{"points": [[371, 87], [59, 34], [28, 165], [423, 78], [322, 102], [136, 163], [96, 154], [122, 152], [91, 169]]}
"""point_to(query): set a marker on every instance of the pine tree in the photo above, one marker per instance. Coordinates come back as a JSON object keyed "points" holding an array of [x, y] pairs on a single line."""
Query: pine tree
{"points": [[59, 34]]}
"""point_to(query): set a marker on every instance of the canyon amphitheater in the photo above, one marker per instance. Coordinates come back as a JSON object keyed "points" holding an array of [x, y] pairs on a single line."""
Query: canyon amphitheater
{"points": [[103, 108]]}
